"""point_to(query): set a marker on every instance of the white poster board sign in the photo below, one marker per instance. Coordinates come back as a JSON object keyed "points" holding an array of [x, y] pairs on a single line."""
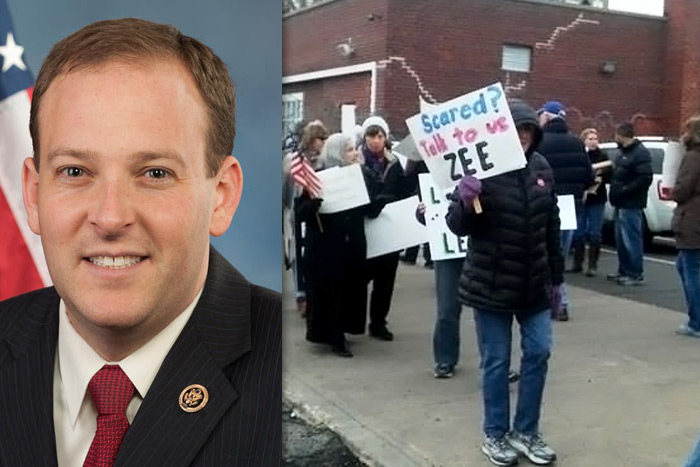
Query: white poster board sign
{"points": [[472, 134], [671, 164], [343, 188], [395, 228], [347, 120], [567, 212], [443, 243]]}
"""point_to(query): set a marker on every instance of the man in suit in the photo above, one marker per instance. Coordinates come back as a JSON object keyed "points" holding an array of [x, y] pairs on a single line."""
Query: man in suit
{"points": [[150, 349]]}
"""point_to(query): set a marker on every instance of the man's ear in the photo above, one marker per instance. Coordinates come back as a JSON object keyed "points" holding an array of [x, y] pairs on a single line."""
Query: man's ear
{"points": [[30, 194], [229, 186]]}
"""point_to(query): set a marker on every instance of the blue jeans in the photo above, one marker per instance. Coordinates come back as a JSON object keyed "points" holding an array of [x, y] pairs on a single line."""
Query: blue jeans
{"points": [[566, 237], [494, 334], [694, 458], [590, 223], [688, 266], [629, 242], [449, 309]]}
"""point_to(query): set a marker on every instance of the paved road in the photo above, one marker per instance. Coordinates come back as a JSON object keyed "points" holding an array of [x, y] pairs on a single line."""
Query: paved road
{"points": [[662, 286]]}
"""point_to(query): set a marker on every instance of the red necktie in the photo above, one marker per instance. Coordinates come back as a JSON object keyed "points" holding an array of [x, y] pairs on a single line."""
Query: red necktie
{"points": [[111, 390]]}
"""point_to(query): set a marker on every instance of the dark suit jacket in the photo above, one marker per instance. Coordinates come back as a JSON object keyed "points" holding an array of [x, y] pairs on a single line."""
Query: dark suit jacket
{"points": [[232, 345]]}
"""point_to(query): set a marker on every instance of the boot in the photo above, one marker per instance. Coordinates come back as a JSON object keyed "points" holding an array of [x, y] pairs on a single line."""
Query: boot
{"points": [[579, 250], [593, 255]]}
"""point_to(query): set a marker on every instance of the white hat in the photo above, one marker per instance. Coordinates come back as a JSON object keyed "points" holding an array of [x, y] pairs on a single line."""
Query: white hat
{"points": [[376, 121]]}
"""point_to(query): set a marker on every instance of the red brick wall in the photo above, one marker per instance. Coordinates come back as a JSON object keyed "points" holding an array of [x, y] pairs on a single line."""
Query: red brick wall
{"points": [[467, 55], [453, 46], [323, 98], [309, 38], [682, 62]]}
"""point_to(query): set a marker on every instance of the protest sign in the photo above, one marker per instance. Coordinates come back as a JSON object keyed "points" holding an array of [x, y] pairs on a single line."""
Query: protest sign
{"points": [[567, 212], [671, 164], [347, 120], [396, 228], [443, 243], [472, 134], [343, 188]]}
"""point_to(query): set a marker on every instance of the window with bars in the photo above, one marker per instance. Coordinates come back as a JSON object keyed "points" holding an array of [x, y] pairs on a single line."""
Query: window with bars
{"points": [[292, 111], [516, 58]]}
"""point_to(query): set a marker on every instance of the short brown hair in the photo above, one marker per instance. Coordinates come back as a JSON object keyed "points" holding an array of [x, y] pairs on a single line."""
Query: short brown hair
{"points": [[625, 129], [313, 130], [691, 132], [588, 131], [137, 40]]}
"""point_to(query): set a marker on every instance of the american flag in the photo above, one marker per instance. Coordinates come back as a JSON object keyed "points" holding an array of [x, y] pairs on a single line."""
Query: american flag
{"points": [[22, 264], [304, 175]]}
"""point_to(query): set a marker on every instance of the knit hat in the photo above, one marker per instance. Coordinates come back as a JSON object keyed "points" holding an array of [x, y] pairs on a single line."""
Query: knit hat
{"points": [[555, 108], [376, 121]]}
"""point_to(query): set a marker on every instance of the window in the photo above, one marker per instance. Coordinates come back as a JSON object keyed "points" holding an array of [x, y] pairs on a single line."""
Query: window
{"points": [[292, 111], [516, 58]]}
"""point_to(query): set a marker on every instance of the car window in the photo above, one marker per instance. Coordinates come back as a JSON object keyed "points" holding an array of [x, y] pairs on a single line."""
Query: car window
{"points": [[657, 157]]}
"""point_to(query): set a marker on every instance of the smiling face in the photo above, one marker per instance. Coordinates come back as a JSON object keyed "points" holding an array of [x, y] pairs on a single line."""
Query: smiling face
{"points": [[122, 201]]}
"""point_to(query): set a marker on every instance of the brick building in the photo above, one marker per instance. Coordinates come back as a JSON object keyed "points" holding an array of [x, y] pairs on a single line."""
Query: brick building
{"points": [[381, 55]]}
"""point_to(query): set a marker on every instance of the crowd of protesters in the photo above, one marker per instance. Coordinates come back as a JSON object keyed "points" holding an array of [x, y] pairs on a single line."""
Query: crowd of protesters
{"points": [[515, 262]]}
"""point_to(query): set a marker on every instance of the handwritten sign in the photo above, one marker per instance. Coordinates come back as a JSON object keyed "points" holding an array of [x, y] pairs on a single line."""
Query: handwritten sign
{"points": [[443, 243], [472, 134], [396, 228], [567, 212], [672, 162], [343, 188]]}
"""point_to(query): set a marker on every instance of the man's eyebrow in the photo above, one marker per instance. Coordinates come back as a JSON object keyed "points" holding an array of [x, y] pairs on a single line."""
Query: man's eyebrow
{"points": [[68, 152], [148, 156], [138, 157]]}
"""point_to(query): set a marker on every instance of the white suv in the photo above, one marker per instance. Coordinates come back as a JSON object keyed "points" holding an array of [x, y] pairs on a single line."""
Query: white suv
{"points": [[659, 210]]}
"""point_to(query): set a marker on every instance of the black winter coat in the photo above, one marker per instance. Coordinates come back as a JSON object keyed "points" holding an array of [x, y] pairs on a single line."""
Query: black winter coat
{"points": [[567, 157], [334, 271], [386, 187], [631, 177], [513, 255]]}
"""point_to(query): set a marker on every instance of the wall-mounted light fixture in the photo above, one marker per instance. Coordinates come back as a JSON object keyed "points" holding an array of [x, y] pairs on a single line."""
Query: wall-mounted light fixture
{"points": [[608, 67], [346, 49]]}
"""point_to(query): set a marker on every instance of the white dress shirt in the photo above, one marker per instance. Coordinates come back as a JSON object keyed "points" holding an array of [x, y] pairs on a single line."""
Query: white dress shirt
{"points": [[74, 413]]}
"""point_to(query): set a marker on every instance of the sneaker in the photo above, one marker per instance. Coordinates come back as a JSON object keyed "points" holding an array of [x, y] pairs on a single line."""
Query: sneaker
{"points": [[629, 281], [685, 330], [443, 371], [513, 376], [533, 447], [499, 451], [381, 333], [614, 276]]}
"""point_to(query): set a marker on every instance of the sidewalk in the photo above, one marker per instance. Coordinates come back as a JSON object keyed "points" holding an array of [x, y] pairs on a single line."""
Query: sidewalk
{"points": [[623, 389]]}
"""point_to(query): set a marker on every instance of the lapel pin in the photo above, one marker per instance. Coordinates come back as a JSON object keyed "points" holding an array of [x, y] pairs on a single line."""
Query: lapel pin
{"points": [[193, 398]]}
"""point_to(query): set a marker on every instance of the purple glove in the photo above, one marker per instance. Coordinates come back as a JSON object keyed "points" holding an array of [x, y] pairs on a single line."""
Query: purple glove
{"points": [[469, 189], [555, 299]]}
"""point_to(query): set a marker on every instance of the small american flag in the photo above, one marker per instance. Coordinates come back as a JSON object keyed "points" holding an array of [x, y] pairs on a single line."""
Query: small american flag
{"points": [[304, 175]]}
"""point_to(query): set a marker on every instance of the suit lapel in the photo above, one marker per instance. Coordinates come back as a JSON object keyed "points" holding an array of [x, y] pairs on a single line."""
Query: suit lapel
{"points": [[217, 334], [26, 385]]}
